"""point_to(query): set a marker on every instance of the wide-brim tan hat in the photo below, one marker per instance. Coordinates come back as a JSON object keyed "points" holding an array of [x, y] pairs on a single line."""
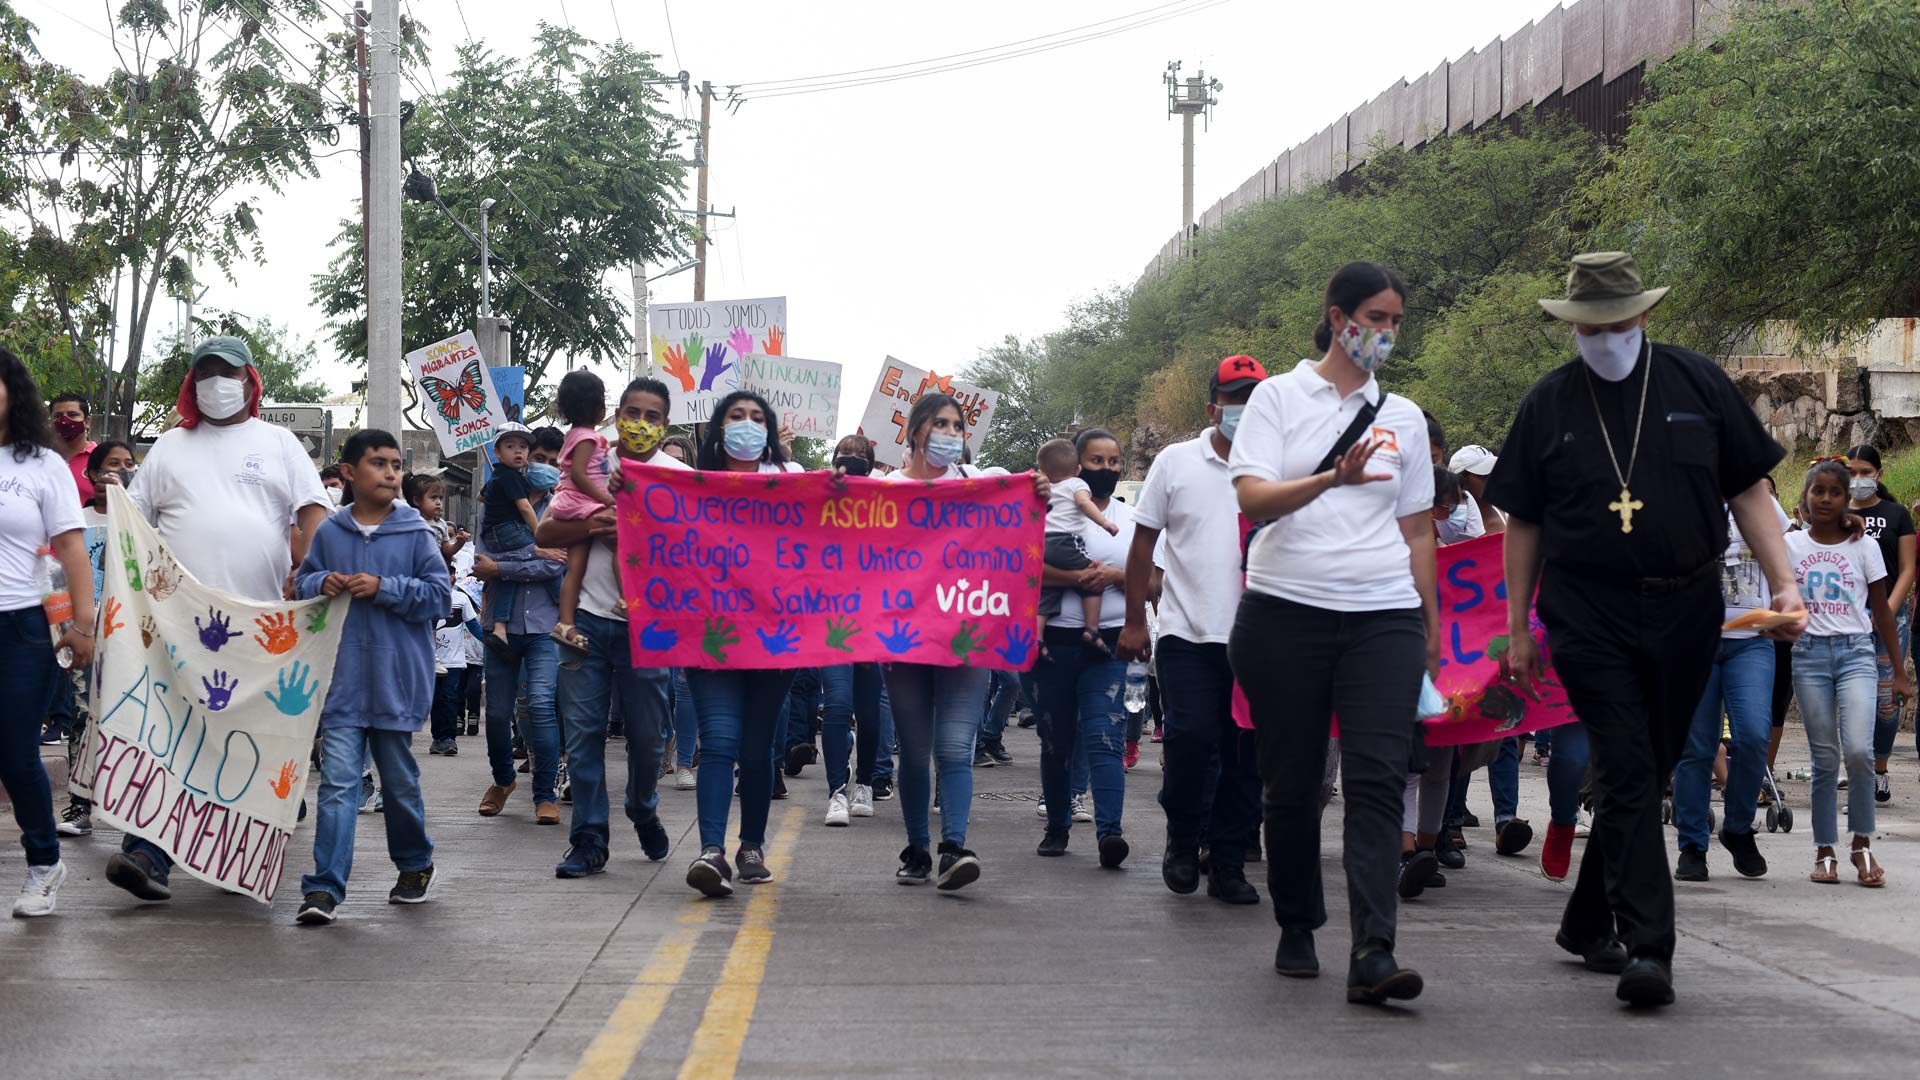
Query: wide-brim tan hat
{"points": [[1603, 288]]}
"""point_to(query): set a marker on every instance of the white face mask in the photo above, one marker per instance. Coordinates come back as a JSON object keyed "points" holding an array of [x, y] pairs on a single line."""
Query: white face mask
{"points": [[333, 495], [218, 396], [1863, 488], [1611, 355]]}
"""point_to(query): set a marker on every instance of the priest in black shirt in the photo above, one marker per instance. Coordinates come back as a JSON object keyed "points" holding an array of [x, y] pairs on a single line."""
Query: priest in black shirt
{"points": [[1615, 479]]}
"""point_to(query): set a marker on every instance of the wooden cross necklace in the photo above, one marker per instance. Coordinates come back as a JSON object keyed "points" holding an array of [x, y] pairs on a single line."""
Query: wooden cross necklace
{"points": [[1626, 504]]}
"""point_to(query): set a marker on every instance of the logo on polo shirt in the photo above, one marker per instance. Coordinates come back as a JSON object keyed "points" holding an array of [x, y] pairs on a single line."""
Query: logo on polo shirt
{"points": [[1386, 439]]}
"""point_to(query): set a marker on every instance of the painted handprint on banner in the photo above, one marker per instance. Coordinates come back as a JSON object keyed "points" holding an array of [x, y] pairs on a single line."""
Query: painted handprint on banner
{"points": [[782, 639], [659, 351], [773, 344], [132, 562], [107, 625], [720, 637], [904, 638], [295, 695], [217, 630], [694, 343], [1018, 647], [716, 365], [317, 619], [219, 690], [740, 341], [282, 784], [967, 642], [655, 638], [277, 634], [147, 629], [163, 574], [838, 631], [675, 364]]}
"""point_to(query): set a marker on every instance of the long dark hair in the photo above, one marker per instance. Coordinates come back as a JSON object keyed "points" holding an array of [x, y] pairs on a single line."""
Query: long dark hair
{"points": [[1348, 289], [28, 429], [924, 411], [1872, 457], [713, 449]]}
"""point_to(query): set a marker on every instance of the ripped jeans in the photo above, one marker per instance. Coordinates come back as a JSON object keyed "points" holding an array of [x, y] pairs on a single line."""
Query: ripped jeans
{"points": [[1081, 706]]}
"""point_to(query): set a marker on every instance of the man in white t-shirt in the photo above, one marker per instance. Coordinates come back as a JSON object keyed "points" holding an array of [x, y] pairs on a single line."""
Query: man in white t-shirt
{"points": [[1189, 505], [221, 489], [586, 681]]}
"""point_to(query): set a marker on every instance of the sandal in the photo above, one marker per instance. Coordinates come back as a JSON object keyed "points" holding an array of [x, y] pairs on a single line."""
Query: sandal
{"points": [[1872, 874], [569, 637], [1826, 869]]}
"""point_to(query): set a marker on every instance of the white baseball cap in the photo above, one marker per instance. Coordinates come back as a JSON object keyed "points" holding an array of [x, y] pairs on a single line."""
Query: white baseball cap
{"points": [[511, 428], [1477, 460]]}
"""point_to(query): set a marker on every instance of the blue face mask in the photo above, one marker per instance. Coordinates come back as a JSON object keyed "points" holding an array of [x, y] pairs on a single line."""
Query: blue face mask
{"points": [[1230, 420], [1460, 516], [745, 440], [544, 477], [942, 451]]}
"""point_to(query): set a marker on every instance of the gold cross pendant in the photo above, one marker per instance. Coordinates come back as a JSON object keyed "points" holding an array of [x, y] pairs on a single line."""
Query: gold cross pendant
{"points": [[1625, 507]]}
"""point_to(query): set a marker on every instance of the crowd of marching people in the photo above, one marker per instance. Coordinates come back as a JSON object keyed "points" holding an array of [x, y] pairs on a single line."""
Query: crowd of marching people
{"points": [[1275, 571]]}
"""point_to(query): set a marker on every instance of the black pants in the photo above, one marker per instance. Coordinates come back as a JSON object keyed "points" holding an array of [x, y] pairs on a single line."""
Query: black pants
{"points": [[1634, 665], [448, 690], [1299, 666], [1203, 761]]}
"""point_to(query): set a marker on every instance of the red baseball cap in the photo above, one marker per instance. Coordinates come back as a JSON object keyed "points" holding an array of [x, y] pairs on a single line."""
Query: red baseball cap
{"points": [[1236, 373]]}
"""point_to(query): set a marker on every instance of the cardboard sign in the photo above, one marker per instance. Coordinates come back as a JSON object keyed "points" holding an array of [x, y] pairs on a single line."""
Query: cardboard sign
{"points": [[698, 348], [790, 570], [804, 393], [900, 385], [462, 404], [204, 709]]}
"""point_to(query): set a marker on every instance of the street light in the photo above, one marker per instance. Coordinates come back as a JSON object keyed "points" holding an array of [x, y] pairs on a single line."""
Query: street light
{"points": [[640, 306]]}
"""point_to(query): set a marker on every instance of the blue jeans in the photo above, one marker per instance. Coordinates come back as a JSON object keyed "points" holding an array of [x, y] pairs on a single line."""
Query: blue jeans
{"points": [[1886, 723], [586, 684], [740, 717], [534, 657], [341, 752], [1543, 741], [1082, 688], [803, 704], [1742, 680], [1503, 781], [27, 677], [1567, 770], [937, 717], [686, 721], [853, 691], [1003, 688], [1833, 679]]}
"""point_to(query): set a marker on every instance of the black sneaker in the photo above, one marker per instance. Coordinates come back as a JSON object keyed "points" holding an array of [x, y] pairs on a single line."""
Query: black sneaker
{"points": [[799, 756], [883, 789], [1026, 719], [135, 872], [1295, 957], [959, 867], [412, 888], [1882, 788], [75, 820], [779, 785], [654, 840], [316, 909], [1646, 983], [1746, 853], [1228, 884], [915, 866], [1452, 858], [526, 766], [998, 752], [1113, 850], [710, 873], [441, 747], [1470, 822], [1606, 956], [1180, 867], [1373, 977], [1692, 865], [1416, 872], [982, 759], [752, 862], [1512, 836], [1053, 843]]}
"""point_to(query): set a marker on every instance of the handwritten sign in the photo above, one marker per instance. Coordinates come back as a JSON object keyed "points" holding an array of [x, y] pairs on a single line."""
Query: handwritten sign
{"points": [[805, 393], [749, 570], [698, 348], [454, 381], [900, 385], [204, 708]]}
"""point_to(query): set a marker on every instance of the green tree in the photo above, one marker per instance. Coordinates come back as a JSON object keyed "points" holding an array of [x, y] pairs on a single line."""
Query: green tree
{"points": [[151, 171], [1484, 354], [811, 453], [285, 364], [580, 161], [1029, 412], [1776, 175]]}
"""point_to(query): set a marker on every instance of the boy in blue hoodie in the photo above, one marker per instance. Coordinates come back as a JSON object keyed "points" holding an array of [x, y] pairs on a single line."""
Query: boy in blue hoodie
{"points": [[385, 556]]}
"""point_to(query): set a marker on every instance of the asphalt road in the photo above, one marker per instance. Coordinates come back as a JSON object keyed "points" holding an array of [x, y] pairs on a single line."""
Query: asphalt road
{"points": [[1045, 967]]}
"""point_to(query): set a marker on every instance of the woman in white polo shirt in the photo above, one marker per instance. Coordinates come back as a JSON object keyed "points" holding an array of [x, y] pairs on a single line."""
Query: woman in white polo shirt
{"points": [[1339, 618]]}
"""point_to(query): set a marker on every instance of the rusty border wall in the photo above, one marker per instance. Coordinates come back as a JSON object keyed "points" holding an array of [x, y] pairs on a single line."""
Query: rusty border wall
{"points": [[1584, 61]]}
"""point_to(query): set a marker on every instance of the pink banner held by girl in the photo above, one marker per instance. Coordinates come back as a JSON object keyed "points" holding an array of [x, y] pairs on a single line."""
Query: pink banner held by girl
{"points": [[1473, 626], [748, 570]]}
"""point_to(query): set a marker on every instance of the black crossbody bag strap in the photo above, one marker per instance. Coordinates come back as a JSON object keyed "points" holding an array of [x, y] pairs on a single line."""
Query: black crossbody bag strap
{"points": [[1361, 421]]}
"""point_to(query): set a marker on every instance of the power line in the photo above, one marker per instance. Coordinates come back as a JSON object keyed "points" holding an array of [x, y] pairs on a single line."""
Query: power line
{"points": [[463, 20], [618, 34], [667, 6]]}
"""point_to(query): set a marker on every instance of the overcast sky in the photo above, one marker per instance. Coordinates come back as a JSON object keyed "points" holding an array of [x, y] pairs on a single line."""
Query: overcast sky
{"points": [[925, 218]]}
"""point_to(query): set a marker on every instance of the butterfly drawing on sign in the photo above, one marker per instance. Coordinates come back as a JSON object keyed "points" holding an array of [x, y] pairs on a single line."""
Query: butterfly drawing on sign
{"points": [[448, 397]]}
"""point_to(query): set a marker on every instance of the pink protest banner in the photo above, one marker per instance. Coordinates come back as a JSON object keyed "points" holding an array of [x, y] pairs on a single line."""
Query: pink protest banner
{"points": [[748, 570], [1473, 627]]}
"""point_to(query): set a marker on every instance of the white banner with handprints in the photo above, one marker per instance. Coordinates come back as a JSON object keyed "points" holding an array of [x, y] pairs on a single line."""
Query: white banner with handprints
{"points": [[900, 385], [698, 348], [204, 708]]}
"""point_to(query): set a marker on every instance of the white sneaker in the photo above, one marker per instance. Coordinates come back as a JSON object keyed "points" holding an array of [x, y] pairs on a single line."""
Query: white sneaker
{"points": [[1082, 810], [839, 810], [369, 794], [683, 779], [861, 805], [1040, 809], [1583, 826], [41, 889]]}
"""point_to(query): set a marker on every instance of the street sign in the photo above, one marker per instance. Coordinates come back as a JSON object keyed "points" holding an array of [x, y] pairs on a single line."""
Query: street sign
{"points": [[311, 424]]}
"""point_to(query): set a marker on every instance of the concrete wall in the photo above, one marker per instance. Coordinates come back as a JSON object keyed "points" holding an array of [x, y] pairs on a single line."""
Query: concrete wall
{"points": [[1561, 51]]}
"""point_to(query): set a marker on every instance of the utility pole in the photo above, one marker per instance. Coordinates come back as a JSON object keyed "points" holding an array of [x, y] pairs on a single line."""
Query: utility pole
{"points": [[700, 194], [642, 352], [1194, 97], [384, 345], [486, 259], [360, 19]]}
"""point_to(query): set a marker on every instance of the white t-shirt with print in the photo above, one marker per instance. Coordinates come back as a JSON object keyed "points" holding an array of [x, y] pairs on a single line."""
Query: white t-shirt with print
{"points": [[1343, 551], [1743, 585], [222, 499], [1833, 580], [38, 501], [450, 642]]}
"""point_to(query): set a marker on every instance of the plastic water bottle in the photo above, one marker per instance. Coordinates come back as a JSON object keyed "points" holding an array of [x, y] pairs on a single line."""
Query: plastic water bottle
{"points": [[57, 602], [1136, 686]]}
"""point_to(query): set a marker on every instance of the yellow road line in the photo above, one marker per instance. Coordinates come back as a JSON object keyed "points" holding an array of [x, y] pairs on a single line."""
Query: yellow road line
{"points": [[613, 1050], [715, 1052]]}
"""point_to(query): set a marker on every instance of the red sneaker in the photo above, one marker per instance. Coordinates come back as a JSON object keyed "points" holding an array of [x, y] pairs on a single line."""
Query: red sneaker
{"points": [[1160, 733], [1130, 756], [1557, 853]]}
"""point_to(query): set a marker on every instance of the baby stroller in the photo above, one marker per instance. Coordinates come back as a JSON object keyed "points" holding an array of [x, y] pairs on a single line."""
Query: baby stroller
{"points": [[1779, 814]]}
